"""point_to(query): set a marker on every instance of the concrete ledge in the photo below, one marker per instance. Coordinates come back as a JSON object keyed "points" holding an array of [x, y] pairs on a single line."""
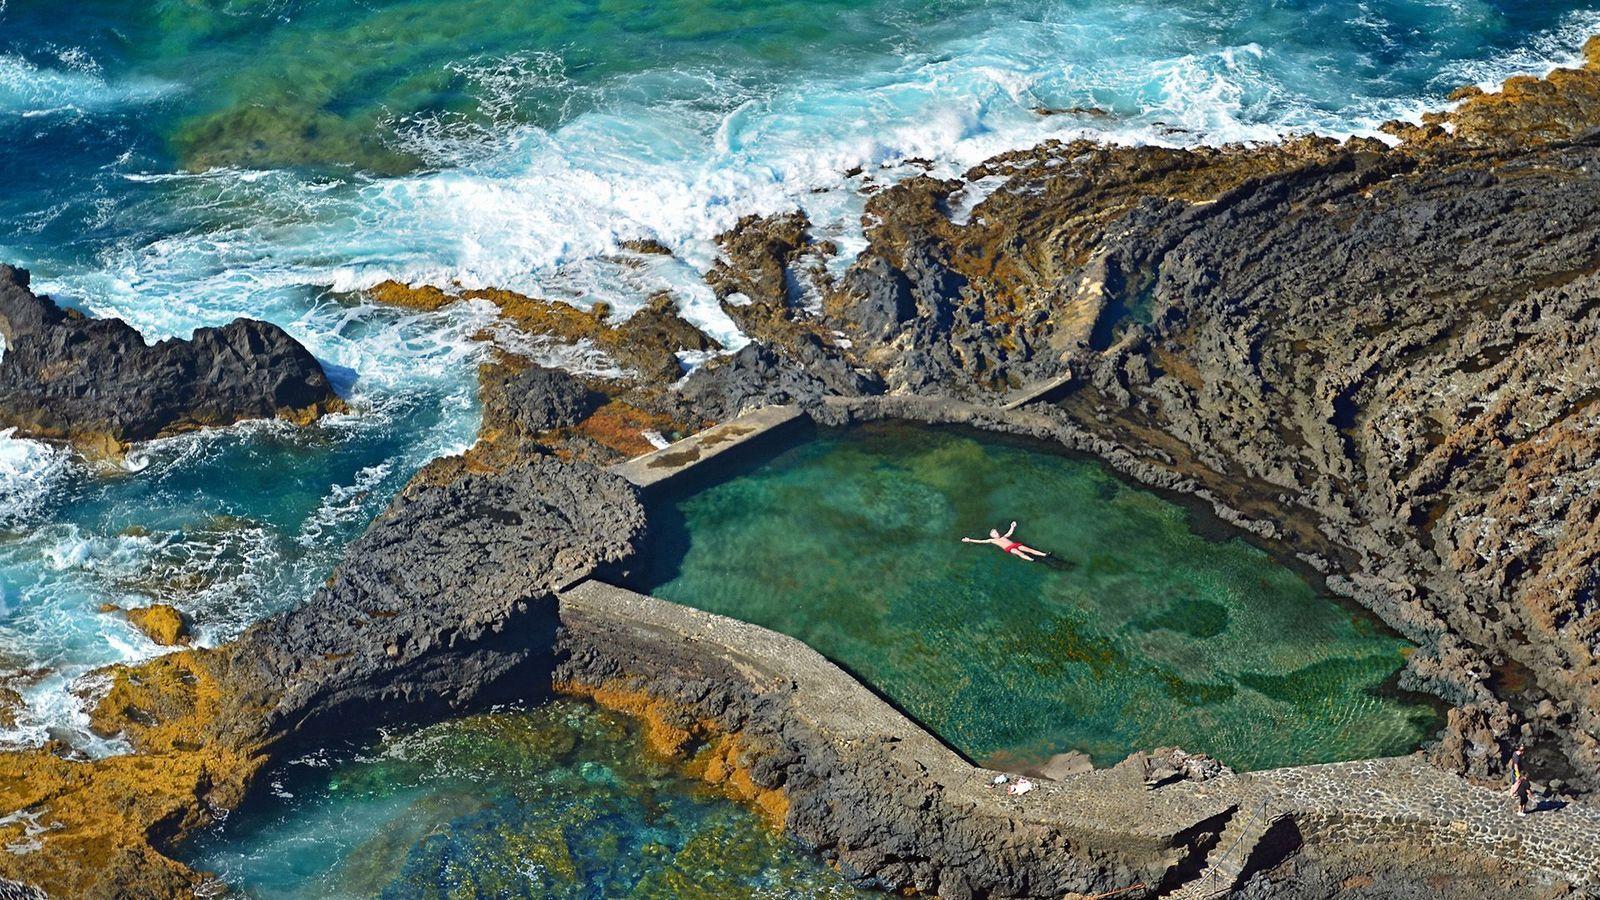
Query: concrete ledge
{"points": [[868, 787], [1038, 391], [661, 466]]}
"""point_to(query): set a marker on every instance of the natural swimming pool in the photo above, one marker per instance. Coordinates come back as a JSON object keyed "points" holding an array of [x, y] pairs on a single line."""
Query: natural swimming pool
{"points": [[560, 801], [1139, 632]]}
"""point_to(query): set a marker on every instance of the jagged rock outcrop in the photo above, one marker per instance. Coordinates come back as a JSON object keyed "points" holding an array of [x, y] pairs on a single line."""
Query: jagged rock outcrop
{"points": [[98, 385], [764, 375], [445, 594], [1387, 359], [535, 399], [444, 603]]}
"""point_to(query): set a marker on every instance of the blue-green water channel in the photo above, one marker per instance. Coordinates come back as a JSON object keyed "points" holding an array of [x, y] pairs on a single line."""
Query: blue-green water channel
{"points": [[559, 801], [1139, 632]]}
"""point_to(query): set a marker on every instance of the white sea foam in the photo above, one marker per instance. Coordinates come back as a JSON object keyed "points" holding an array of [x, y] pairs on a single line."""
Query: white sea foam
{"points": [[544, 212], [1556, 48], [30, 472], [74, 85]]}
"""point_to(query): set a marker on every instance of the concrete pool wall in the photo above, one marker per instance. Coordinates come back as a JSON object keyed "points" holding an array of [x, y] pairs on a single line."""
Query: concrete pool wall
{"points": [[882, 798]]}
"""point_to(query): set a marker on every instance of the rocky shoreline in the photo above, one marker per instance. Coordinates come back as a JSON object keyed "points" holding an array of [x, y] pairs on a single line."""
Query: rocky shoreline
{"points": [[96, 385], [1384, 360]]}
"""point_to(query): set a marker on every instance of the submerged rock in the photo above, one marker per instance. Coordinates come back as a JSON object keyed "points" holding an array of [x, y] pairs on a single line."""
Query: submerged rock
{"points": [[97, 384]]}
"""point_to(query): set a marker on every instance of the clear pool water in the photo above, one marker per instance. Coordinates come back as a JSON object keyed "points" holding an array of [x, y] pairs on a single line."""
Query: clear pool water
{"points": [[1138, 632], [560, 801]]}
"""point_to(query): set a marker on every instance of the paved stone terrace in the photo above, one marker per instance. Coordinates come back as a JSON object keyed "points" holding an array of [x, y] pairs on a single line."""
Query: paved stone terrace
{"points": [[1406, 798]]}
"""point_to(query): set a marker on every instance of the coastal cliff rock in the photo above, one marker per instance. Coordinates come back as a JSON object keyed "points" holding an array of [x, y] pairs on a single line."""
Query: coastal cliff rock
{"points": [[994, 300], [96, 384], [445, 603], [1386, 359]]}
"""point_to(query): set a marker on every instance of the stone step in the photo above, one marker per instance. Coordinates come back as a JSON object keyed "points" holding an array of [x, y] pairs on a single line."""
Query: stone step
{"points": [[1230, 855], [1037, 391]]}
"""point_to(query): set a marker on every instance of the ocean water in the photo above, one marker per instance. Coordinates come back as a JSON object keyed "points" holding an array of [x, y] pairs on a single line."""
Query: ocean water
{"points": [[1138, 632], [557, 802], [182, 162]]}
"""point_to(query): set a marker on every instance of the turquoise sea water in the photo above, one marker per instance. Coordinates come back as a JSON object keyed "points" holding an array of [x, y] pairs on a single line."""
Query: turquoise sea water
{"points": [[182, 162], [1137, 633], [554, 803]]}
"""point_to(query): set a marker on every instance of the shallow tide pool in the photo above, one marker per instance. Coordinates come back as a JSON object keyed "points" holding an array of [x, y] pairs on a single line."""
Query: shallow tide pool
{"points": [[559, 801], [1137, 632]]}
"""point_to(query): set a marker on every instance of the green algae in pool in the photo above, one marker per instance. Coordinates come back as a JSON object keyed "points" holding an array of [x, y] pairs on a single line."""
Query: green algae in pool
{"points": [[1138, 633], [552, 802]]}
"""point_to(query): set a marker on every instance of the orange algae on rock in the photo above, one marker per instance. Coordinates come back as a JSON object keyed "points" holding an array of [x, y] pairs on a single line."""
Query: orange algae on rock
{"points": [[97, 828], [1525, 111], [647, 342], [719, 758], [620, 426], [161, 622]]}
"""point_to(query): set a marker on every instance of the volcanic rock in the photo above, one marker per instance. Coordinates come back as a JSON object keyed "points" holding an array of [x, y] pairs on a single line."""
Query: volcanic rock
{"points": [[98, 385], [537, 398], [762, 375], [164, 624]]}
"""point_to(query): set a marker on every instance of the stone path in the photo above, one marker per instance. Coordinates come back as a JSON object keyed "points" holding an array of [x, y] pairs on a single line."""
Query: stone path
{"points": [[1228, 859], [1369, 801]]}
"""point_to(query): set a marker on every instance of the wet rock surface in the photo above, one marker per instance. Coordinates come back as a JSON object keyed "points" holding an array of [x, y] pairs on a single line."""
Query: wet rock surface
{"points": [[445, 603], [444, 597], [97, 384]]}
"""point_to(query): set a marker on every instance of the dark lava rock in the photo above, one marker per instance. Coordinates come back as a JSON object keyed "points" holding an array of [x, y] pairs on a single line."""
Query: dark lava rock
{"points": [[762, 375], [538, 398], [96, 383], [446, 598]]}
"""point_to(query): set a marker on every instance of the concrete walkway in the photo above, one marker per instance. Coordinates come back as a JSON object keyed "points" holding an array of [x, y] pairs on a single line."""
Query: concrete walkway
{"points": [[1398, 800], [669, 462], [1037, 391]]}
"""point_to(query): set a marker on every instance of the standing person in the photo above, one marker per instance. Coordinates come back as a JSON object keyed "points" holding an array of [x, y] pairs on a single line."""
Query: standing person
{"points": [[1006, 544], [1521, 790]]}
